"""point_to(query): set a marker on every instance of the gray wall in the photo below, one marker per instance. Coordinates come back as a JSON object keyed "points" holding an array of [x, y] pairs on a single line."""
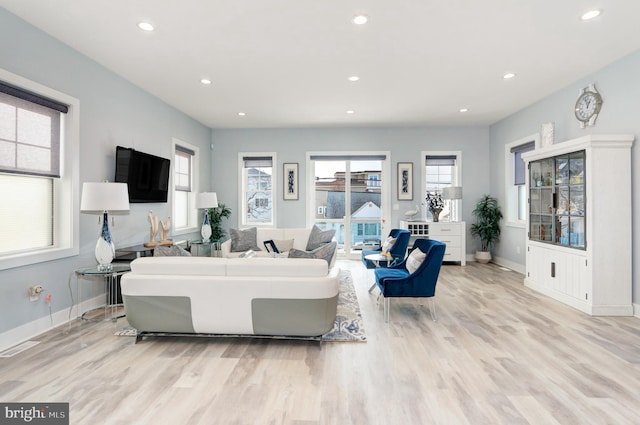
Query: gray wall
{"points": [[405, 144], [112, 112], [619, 85]]}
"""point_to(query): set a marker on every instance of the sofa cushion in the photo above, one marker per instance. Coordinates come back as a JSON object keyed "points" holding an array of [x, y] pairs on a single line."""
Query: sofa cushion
{"points": [[325, 252], [300, 236], [243, 240], [184, 266], [414, 260], [266, 268], [269, 233], [319, 237]]}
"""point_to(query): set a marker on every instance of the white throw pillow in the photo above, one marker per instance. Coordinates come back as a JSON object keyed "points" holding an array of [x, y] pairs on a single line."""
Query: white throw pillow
{"points": [[284, 245], [388, 244], [414, 260]]}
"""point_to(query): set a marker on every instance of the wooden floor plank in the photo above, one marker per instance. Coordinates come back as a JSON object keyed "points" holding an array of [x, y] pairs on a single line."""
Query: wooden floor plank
{"points": [[499, 353]]}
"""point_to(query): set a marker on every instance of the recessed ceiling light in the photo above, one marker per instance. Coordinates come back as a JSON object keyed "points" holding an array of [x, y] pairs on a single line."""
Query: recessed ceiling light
{"points": [[354, 78], [351, 112], [464, 110], [360, 19], [508, 75], [205, 81], [242, 114], [145, 26], [591, 15]]}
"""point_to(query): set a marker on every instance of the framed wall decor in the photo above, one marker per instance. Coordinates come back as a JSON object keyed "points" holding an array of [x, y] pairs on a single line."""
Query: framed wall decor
{"points": [[405, 181], [290, 181]]}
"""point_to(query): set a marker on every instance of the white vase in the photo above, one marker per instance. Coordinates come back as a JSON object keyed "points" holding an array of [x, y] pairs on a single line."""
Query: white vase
{"points": [[105, 249], [205, 230]]}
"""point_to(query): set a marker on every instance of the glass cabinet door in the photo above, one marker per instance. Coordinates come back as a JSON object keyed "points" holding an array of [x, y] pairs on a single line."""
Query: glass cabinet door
{"points": [[576, 200], [556, 200]]}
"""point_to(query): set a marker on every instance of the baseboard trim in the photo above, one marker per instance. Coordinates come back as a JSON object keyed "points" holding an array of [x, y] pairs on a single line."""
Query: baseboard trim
{"points": [[516, 267], [44, 324]]}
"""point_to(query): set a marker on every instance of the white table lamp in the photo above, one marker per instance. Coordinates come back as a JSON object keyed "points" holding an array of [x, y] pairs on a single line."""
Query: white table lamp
{"points": [[102, 198], [452, 193], [206, 200]]}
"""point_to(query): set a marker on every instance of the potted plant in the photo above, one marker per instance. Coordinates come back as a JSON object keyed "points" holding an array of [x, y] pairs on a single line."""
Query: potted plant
{"points": [[215, 218], [487, 226], [435, 204]]}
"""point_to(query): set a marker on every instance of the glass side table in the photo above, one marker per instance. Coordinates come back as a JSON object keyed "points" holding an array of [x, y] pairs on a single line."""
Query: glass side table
{"points": [[205, 249], [112, 309]]}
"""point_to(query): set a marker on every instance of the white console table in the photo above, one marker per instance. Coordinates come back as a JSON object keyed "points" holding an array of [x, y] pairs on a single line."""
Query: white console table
{"points": [[453, 234]]}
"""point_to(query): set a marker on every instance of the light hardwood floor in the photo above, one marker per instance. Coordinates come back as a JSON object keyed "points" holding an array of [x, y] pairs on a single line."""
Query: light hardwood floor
{"points": [[498, 354]]}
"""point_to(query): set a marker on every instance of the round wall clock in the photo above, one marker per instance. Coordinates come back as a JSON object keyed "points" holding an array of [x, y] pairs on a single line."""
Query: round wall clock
{"points": [[588, 106]]}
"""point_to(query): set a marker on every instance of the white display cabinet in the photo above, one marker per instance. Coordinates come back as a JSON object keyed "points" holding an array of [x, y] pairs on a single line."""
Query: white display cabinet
{"points": [[579, 223]]}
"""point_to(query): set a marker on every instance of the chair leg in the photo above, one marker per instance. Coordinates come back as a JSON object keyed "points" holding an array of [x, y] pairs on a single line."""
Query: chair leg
{"points": [[432, 308], [372, 286], [387, 306]]}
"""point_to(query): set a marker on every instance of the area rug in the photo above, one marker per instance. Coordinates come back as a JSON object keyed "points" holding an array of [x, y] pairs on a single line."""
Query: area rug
{"points": [[348, 326]]}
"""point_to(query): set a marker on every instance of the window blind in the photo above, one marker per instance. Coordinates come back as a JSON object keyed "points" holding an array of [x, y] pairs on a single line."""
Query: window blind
{"points": [[257, 161], [182, 169], [440, 160], [29, 133], [519, 172], [348, 157], [33, 98]]}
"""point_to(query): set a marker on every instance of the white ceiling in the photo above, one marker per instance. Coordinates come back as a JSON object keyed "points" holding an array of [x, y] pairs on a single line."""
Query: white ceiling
{"points": [[285, 63]]}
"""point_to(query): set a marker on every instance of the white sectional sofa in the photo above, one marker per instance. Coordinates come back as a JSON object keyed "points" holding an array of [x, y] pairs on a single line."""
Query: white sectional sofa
{"points": [[300, 236], [247, 296]]}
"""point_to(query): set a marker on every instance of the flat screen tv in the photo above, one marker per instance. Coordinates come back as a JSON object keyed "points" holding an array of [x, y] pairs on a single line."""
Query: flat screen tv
{"points": [[147, 176]]}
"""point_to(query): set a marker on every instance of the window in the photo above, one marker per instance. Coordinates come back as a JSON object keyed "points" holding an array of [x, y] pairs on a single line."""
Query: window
{"points": [[442, 169], [184, 213], [373, 182], [257, 188], [515, 175], [38, 168]]}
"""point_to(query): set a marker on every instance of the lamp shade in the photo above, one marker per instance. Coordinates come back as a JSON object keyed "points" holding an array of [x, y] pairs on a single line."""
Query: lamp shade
{"points": [[100, 197], [452, 192], [206, 200]]}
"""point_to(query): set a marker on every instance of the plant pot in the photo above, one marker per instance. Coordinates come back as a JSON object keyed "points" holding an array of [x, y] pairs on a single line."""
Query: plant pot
{"points": [[483, 257]]}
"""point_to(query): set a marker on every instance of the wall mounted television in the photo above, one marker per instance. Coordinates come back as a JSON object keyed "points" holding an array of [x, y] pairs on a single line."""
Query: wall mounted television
{"points": [[146, 175]]}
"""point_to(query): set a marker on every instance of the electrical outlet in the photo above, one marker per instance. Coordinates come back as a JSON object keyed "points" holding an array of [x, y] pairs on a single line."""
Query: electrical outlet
{"points": [[34, 292]]}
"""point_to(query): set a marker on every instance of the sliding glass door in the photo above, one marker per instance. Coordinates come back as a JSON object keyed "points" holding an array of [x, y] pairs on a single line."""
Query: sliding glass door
{"points": [[350, 197]]}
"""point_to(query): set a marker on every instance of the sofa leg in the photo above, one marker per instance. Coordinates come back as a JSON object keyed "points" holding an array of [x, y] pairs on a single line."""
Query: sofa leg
{"points": [[432, 309], [387, 306]]}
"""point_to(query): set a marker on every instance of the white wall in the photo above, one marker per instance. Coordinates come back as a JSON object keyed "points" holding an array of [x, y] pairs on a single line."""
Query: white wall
{"points": [[619, 85], [112, 112]]}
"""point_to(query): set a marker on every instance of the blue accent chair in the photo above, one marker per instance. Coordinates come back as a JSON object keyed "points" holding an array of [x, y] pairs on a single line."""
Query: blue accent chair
{"points": [[398, 251], [396, 281]]}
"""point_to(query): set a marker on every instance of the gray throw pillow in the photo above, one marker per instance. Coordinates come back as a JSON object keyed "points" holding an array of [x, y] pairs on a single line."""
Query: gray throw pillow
{"points": [[170, 251], [319, 237], [244, 240], [324, 252]]}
